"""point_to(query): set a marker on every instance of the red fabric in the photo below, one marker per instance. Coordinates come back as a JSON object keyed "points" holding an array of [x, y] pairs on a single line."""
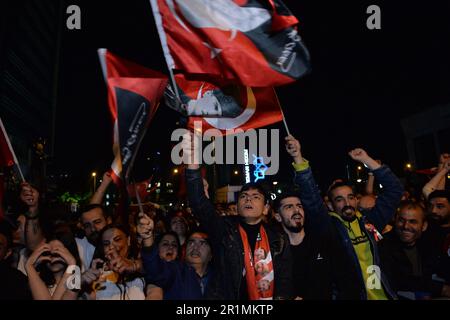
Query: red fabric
{"points": [[6, 155], [141, 188], [258, 266], [261, 109], [221, 52], [2, 194], [128, 75]]}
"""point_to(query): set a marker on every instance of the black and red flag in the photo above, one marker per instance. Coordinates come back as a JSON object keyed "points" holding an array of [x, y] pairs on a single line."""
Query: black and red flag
{"points": [[134, 93], [251, 42]]}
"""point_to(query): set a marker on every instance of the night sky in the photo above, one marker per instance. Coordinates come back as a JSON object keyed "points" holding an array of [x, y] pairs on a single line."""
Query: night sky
{"points": [[362, 82]]}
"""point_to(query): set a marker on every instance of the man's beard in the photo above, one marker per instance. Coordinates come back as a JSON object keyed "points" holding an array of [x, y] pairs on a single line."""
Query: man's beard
{"points": [[296, 228], [344, 215], [93, 238], [440, 220]]}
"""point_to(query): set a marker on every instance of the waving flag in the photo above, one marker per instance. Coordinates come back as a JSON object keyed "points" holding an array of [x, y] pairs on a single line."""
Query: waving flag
{"points": [[252, 42], [134, 93], [224, 107], [6, 152]]}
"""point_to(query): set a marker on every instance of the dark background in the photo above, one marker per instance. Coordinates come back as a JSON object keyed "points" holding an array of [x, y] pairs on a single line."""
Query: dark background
{"points": [[362, 83]]}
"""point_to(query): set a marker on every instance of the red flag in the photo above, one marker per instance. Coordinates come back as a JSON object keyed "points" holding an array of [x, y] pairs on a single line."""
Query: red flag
{"points": [[6, 160], [252, 42], [224, 107], [260, 108], [2, 194], [6, 154], [139, 188], [134, 93]]}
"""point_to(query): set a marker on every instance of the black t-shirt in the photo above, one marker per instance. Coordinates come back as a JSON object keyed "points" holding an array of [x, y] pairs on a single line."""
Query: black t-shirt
{"points": [[13, 284], [252, 231], [301, 257]]}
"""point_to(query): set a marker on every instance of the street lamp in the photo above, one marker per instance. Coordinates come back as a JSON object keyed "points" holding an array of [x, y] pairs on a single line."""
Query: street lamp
{"points": [[94, 175], [236, 172], [175, 171]]}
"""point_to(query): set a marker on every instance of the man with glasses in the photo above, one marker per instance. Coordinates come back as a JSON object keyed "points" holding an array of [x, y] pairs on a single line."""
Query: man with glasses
{"points": [[241, 242]]}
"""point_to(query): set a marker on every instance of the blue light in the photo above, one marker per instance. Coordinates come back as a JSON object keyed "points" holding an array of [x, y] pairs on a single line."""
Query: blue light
{"points": [[260, 168]]}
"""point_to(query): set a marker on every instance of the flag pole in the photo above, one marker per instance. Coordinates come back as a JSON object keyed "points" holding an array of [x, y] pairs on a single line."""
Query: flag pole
{"points": [[138, 198], [282, 114], [16, 162], [165, 47]]}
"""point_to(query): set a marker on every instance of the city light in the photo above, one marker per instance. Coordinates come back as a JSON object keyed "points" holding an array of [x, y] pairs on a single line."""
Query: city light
{"points": [[94, 174], [236, 172], [359, 168], [175, 171], [279, 190], [275, 183], [408, 166], [359, 180]]}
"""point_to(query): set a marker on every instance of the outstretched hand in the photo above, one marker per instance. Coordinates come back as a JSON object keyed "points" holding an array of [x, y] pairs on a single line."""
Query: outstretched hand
{"points": [[361, 155], [30, 196], [190, 149], [294, 149]]}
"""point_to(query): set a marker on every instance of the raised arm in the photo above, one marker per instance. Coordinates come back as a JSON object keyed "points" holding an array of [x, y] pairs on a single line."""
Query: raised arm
{"points": [[33, 231], [438, 181], [202, 208], [389, 199], [315, 208], [97, 198]]}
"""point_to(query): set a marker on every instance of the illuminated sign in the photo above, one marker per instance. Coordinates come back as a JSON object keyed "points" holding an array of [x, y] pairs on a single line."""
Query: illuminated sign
{"points": [[246, 167], [260, 168]]}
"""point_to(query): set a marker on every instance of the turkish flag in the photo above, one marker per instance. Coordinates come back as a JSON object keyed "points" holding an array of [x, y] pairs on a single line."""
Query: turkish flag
{"points": [[251, 42], [260, 108], [139, 188]]}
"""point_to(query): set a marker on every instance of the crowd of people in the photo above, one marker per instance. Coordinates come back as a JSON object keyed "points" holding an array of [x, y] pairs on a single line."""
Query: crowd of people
{"points": [[304, 245]]}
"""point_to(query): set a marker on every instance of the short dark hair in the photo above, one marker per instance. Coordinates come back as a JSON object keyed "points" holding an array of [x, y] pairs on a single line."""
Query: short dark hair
{"points": [[93, 206], [414, 205], [440, 194], [282, 196], [336, 185], [256, 186]]}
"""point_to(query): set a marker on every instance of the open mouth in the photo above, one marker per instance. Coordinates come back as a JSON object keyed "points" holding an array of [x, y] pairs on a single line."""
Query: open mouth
{"points": [[297, 217], [248, 207]]}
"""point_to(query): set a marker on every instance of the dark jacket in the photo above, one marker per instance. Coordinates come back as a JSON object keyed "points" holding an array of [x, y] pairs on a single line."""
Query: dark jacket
{"points": [[379, 216], [178, 280], [13, 284], [399, 270], [319, 273], [228, 250]]}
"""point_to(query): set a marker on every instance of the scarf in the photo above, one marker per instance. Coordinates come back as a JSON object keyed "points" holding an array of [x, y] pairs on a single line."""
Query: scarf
{"points": [[258, 266]]}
